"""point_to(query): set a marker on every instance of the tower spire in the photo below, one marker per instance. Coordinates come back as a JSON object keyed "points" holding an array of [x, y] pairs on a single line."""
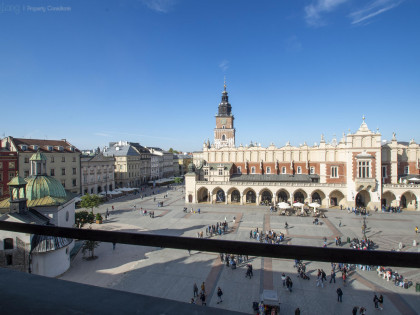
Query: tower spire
{"points": [[224, 86]]}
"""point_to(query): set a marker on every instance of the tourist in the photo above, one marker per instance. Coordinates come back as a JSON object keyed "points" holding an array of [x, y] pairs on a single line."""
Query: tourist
{"points": [[203, 299], [339, 295], [219, 295], [195, 289], [354, 311], [376, 301], [203, 288], [332, 276], [283, 278], [381, 301], [297, 311]]}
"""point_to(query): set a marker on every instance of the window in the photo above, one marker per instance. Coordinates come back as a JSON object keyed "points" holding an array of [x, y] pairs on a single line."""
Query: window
{"points": [[26, 159], [74, 171], [52, 172], [63, 159], [26, 173], [384, 172], [74, 182], [220, 171], [406, 169], [11, 175], [206, 172], [364, 169], [239, 170], [223, 137], [52, 159], [283, 170], [268, 171], [8, 243], [63, 171], [334, 171], [11, 165], [63, 182], [312, 170], [74, 159], [253, 170], [299, 170]]}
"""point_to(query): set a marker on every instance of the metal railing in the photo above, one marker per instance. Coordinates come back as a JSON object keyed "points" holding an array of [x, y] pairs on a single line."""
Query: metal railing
{"points": [[364, 257]]}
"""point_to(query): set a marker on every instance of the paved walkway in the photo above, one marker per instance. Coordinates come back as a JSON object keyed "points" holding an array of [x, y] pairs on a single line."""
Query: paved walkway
{"points": [[171, 273]]}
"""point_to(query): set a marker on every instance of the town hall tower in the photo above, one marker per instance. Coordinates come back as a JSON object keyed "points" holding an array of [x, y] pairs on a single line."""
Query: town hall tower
{"points": [[224, 133]]}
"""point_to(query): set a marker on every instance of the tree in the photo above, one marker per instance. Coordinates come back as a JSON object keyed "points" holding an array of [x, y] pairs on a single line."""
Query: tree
{"points": [[89, 246], [83, 217], [173, 151], [90, 202]]}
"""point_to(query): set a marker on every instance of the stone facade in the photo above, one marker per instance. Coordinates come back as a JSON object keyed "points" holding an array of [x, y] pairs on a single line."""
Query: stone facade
{"points": [[358, 170], [63, 159], [8, 169], [97, 174]]}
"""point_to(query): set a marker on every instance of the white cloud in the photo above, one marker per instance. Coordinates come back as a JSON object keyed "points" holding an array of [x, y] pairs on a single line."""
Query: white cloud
{"points": [[314, 11], [224, 65], [373, 9], [161, 6]]}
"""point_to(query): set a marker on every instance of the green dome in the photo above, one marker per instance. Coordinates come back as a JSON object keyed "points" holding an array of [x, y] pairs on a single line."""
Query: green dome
{"points": [[44, 186]]}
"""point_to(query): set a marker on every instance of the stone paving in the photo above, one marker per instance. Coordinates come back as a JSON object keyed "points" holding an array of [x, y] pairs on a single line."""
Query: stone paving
{"points": [[171, 273]]}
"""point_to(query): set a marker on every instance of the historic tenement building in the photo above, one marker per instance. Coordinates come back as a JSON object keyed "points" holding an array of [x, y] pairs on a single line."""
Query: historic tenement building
{"points": [[360, 169]]}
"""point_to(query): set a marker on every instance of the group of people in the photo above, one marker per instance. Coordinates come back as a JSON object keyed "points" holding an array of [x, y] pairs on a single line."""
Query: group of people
{"points": [[389, 275], [232, 260], [270, 237], [363, 244], [287, 282], [218, 229]]}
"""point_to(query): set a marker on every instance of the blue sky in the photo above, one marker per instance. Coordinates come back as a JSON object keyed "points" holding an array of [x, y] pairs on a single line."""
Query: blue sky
{"points": [[151, 71]]}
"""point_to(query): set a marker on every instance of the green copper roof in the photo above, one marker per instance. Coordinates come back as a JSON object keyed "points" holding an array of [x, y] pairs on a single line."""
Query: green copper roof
{"points": [[44, 186], [17, 181], [39, 156]]}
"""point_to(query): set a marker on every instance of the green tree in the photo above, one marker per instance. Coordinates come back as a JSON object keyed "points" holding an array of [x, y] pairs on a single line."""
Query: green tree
{"points": [[90, 202], [89, 246], [83, 217]]}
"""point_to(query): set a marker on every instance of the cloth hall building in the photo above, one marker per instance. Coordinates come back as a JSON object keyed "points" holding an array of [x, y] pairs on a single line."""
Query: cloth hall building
{"points": [[360, 169]]}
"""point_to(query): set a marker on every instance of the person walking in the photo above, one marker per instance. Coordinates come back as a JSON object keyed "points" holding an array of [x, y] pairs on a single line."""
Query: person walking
{"points": [[332, 276], [203, 288], [297, 311], [113, 246], [219, 295], [203, 299], [339, 295], [381, 301], [376, 301], [354, 311], [195, 289], [283, 278], [339, 224]]}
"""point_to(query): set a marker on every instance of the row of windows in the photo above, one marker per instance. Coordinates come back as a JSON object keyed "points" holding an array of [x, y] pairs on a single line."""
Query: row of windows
{"points": [[52, 172], [10, 176], [283, 170], [10, 165], [63, 159]]}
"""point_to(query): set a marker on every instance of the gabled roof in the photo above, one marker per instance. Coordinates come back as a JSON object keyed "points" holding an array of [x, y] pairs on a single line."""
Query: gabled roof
{"points": [[31, 216], [226, 166], [43, 145], [123, 150]]}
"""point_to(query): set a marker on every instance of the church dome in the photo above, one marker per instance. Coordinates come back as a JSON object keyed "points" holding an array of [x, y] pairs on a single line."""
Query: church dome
{"points": [[44, 186]]}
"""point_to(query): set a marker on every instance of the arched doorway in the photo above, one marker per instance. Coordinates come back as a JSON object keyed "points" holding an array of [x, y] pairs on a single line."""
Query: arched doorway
{"points": [[202, 195], [250, 197], [220, 196], [99, 189], [362, 199], [190, 198], [337, 198], [299, 196], [235, 196], [282, 196], [266, 197], [316, 198], [388, 199], [408, 201]]}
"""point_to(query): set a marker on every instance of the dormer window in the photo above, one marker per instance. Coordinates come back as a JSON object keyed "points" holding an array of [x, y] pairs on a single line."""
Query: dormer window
{"points": [[50, 148], [253, 170], [299, 170], [24, 147], [35, 147], [268, 170], [239, 171], [59, 148], [71, 149]]}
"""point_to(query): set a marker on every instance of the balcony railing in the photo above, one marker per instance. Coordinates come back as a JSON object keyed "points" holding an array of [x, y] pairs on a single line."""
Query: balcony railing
{"points": [[270, 184], [364, 257]]}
